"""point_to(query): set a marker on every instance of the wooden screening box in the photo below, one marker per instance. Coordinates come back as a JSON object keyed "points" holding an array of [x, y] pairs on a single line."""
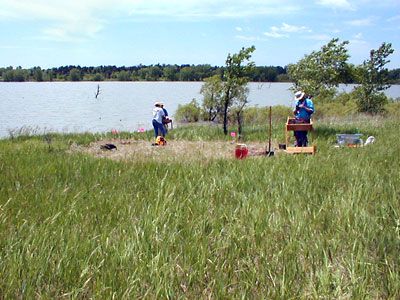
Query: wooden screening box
{"points": [[291, 125]]}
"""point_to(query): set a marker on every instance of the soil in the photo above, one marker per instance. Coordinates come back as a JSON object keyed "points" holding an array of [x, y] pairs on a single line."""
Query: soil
{"points": [[140, 150]]}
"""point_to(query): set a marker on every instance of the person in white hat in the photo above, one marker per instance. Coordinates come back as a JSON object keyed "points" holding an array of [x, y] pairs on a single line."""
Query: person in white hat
{"points": [[303, 111], [157, 121]]}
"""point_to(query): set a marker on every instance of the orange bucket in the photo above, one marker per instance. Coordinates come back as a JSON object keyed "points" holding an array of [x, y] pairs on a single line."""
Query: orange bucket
{"points": [[241, 151]]}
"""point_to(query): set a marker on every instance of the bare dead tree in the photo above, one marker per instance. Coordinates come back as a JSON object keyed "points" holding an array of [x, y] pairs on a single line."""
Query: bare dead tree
{"points": [[97, 92]]}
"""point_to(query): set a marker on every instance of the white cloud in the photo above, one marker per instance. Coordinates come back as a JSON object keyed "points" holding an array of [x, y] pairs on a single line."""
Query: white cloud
{"points": [[275, 34], [360, 22], [358, 36], [79, 19], [319, 37], [211, 8], [285, 30], [336, 4], [291, 28], [358, 43], [71, 32], [249, 38], [240, 29], [65, 20], [394, 18], [172, 8]]}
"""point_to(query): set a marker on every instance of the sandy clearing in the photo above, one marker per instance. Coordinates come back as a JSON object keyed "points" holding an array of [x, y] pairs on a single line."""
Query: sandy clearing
{"points": [[182, 151]]}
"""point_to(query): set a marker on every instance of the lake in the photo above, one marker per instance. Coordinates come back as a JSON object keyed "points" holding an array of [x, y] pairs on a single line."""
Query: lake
{"points": [[124, 106]]}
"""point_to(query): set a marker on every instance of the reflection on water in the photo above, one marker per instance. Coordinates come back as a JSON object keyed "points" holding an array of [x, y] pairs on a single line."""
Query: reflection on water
{"points": [[125, 106]]}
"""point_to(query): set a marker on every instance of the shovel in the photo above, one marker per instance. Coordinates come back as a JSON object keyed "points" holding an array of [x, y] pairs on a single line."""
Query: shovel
{"points": [[270, 152]]}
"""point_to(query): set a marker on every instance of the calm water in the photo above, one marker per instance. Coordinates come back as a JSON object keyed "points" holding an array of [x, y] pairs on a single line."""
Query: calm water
{"points": [[125, 106]]}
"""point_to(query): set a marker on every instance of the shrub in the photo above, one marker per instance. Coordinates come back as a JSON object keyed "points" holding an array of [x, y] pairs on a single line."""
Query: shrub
{"points": [[373, 102], [188, 112]]}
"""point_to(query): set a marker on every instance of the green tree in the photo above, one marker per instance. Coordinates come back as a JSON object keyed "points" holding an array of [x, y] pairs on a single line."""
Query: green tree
{"points": [[20, 74], [98, 77], [320, 72], [237, 69], [37, 74], [212, 97], [373, 77], [187, 74], [202, 71], [394, 76], [48, 75], [170, 73], [283, 78], [8, 75], [123, 76], [143, 73], [75, 74], [154, 73]]}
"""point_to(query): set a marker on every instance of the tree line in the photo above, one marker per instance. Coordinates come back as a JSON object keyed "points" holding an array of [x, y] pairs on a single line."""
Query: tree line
{"points": [[155, 73], [135, 73]]}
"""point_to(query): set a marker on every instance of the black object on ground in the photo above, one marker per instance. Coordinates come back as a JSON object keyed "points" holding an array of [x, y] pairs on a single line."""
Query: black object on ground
{"points": [[108, 147]]}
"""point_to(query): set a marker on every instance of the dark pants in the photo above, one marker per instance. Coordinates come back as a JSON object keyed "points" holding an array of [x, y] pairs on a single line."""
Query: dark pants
{"points": [[301, 136], [158, 127]]}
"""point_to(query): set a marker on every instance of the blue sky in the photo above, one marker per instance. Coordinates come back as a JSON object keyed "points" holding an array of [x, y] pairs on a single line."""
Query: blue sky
{"points": [[52, 33]]}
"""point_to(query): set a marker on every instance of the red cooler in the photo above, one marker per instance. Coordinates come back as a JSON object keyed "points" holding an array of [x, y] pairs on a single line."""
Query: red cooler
{"points": [[241, 151]]}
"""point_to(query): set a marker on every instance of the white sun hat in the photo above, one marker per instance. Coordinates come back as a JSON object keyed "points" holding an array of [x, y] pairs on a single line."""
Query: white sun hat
{"points": [[299, 95]]}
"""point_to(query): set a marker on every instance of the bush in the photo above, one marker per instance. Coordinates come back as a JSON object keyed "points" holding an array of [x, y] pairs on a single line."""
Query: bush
{"points": [[373, 102], [188, 112]]}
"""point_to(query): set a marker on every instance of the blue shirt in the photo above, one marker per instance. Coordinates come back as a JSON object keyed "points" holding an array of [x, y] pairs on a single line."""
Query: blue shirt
{"points": [[302, 113], [165, 112]]}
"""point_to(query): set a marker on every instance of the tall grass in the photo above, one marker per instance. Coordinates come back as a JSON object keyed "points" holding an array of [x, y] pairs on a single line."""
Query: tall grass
{"points": [[323, 226]]}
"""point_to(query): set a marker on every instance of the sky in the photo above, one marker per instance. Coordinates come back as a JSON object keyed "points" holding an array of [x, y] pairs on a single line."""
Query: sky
{"points": [[53, 33]]}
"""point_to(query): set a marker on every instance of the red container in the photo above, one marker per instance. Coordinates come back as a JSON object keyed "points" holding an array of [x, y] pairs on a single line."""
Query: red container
{"points": [[241, 151]]}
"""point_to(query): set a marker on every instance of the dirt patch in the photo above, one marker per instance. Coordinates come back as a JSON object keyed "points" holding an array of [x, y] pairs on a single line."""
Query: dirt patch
{"points": [[174, 151]]}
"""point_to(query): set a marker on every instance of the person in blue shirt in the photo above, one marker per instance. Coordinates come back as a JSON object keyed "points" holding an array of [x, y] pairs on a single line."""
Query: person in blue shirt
{"points": [[303, 111], [166, 118], [165, 111]]}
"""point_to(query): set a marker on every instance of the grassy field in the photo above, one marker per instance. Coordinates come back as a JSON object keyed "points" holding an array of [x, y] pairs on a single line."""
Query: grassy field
{"points": [[284, 227]]}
